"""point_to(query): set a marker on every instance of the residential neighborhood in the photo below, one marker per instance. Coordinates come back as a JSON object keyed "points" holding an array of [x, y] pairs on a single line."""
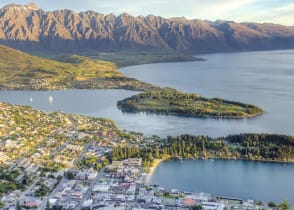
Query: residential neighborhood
{"points": [[64, 161]]}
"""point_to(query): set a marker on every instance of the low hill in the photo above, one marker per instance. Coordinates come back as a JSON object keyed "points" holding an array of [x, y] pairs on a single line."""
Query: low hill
{"points": [[19, 70]]}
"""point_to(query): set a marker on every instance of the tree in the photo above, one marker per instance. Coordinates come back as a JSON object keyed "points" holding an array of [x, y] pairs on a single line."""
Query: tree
{"points": [[272, 204], [98, 166], [105, 162], [48, 205], [18, 206], [157, 152], [69, 175], [199, 207], [284, 205], [203, 148]]}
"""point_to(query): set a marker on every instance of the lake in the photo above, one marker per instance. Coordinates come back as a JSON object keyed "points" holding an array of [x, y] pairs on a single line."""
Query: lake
{"points": [[265, 79], [233, 178]]}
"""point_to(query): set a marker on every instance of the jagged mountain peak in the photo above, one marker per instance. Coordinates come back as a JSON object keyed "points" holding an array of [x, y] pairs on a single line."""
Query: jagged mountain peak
{"points": [[27, 27]]}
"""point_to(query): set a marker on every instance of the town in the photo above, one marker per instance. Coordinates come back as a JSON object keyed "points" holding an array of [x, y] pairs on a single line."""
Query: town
{"points": [[64, 161]]}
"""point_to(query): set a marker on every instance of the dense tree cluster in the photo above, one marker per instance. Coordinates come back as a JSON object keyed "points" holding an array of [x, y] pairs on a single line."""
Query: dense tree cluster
{"points": [[92, 162], [264, 146], [243, 146], [8, 181], [124, 152]]}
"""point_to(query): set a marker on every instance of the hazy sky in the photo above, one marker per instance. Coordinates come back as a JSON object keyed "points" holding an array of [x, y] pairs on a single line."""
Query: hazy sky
{"points": [[276, 11]]}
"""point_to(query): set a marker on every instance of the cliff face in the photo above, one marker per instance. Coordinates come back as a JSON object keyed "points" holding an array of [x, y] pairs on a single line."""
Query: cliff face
{"points": [[28, 27]]}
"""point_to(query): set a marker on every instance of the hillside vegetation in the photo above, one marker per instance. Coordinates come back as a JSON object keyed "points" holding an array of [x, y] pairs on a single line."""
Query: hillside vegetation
{"points": [[177, 103], [22, 71], [19, 70], [138, 57]]}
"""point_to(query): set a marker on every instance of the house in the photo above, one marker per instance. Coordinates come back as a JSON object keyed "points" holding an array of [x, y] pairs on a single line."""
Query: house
{"points": [[134, 162], [101, 188], [188, 201], [30, 204], [212, 206], [117, 164]]}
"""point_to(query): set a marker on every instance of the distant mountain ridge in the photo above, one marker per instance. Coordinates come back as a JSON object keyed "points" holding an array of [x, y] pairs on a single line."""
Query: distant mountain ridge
{"points": [[27, 27]]}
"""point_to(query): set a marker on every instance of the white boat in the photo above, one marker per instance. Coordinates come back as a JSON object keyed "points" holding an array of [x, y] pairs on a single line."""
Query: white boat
{"points": [[50, 99]]}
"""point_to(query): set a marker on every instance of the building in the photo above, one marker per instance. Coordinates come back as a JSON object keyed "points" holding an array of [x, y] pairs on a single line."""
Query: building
{"points": [[212, 206], [134, 162]]}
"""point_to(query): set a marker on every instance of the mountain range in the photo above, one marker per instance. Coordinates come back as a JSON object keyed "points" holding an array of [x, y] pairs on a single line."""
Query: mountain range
{"points": [[28, 27]]}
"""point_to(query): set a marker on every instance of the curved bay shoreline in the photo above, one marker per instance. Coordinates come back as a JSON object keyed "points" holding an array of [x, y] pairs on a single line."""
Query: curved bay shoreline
{"points": [[106, 75]]}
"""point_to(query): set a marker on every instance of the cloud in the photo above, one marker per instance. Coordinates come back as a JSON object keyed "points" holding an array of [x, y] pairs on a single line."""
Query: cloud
{"points": [[222, 8], [286, 8], [281, 15]]}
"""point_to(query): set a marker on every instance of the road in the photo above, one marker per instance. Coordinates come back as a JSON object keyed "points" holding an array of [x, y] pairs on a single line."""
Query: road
{"points": [[63, 180], [88, 193], [56, 189]]}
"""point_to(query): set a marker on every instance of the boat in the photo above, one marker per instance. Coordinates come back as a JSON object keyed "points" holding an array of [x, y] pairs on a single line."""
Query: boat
{"points": [[50, 99]]}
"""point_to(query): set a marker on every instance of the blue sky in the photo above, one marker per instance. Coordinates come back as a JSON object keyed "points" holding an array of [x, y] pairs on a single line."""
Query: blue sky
{"points": [[275, 11]]}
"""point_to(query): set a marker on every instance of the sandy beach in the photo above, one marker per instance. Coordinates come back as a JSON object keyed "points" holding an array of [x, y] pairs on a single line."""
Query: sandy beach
{"points": [[155, 163]]}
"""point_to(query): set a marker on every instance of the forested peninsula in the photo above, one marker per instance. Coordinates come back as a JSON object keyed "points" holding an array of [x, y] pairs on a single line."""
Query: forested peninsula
{"points": [[172, 102]]}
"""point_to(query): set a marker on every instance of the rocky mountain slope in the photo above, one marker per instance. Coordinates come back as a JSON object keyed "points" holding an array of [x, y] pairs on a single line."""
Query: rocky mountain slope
{"points": [[27, 27]]}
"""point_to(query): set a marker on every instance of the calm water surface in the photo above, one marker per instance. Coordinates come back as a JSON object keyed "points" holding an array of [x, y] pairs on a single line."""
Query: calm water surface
{"points": [[265, 79], [242, 179], [262, 78]]}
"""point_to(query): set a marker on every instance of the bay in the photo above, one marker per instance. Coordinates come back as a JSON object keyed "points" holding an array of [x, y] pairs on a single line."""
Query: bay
{"points": [[265, 79], [265, 181]]}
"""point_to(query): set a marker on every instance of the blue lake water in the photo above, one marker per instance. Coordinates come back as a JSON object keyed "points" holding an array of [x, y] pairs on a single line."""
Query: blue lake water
{"points": [[233, 178], [265, 79]]}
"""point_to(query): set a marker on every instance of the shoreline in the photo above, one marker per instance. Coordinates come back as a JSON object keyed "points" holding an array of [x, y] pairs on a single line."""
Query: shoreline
{"points": [[155, 164], [192, 59], [190, 116], [243, 159]]}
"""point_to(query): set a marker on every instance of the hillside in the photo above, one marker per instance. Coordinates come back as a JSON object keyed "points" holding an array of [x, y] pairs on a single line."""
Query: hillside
{"points": [[19, 70], [29, 28]]}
